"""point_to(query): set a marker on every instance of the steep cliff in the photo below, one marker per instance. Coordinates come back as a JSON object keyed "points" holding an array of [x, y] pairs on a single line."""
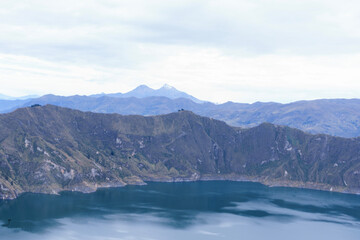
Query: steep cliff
{"points": [[50, 149]]}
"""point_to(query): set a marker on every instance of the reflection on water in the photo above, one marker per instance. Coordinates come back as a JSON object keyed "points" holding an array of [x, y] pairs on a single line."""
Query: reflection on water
{"points": [[195, 210]]}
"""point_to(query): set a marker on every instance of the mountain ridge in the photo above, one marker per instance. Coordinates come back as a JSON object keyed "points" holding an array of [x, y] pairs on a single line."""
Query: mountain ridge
{"points": [[337, 117], [50, 149]]}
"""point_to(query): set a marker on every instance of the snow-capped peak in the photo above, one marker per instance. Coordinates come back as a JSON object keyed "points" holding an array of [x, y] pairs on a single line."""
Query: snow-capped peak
{"points": [[166, 86]]}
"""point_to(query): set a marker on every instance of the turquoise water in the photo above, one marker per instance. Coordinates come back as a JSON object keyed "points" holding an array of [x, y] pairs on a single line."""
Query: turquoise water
{"points": [[191, 210]]}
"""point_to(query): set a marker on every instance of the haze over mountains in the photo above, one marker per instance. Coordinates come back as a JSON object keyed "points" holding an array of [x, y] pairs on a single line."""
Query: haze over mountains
{"points": [[338, 117], [144, 91], [6, 97], [50, 148]]}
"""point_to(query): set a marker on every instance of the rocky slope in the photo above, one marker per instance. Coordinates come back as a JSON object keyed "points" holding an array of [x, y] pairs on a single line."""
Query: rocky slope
{"points": [[49, 149]]}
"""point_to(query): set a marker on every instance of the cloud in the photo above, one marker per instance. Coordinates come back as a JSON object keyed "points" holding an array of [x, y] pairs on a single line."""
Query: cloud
{"points": [[105, 31], [217, 50], [207, 74]]}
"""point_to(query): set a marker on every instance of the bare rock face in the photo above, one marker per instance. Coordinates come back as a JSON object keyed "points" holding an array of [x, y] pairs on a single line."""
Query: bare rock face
{"points": [[49, 149]]}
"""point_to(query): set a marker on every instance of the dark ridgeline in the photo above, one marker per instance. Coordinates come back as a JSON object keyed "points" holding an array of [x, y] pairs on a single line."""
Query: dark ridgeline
{"points": [[49, 149]]}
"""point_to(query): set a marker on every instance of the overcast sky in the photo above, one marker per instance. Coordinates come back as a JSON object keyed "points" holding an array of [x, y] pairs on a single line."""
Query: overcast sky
{"points": [[229, 50]]}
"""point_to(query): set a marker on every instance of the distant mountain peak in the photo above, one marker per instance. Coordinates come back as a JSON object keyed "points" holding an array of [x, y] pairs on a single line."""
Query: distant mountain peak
{"points": [[167, 86], [143, 91], [166, 90], [142, 86]]}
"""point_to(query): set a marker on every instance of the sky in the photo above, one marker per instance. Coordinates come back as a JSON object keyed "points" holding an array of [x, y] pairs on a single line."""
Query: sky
{"points": [[229, 50]]}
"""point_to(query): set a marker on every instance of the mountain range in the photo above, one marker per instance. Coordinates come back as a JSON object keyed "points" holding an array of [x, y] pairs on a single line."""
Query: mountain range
{"points": [[49, 149], [337, 117]]}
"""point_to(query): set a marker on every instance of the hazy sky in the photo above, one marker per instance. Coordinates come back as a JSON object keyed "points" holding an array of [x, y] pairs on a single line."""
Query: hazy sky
{"points": [[240, 50]]}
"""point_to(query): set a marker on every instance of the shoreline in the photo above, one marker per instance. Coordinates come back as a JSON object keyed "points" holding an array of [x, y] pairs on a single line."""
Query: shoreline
{"points": [[91, 187]]}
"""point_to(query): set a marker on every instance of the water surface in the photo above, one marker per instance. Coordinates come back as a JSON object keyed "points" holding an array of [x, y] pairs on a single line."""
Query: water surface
{"points": [[191, 210]]}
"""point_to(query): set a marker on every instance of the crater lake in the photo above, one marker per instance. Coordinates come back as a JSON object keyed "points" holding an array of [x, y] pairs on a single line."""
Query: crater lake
{"points": [[184, 210]]}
